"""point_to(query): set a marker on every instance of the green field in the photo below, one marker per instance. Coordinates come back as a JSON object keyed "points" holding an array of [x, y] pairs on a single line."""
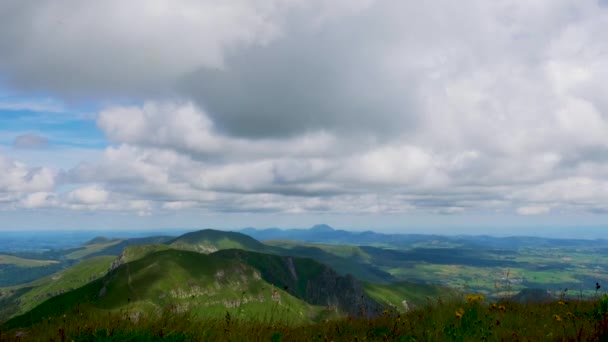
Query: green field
{"points": [[22, 262]]}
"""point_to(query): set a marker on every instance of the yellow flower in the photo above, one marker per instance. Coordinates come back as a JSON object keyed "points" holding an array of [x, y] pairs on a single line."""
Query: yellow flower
{"points": [[557, 318], [459, 313], [561, 303], [475, 298]]}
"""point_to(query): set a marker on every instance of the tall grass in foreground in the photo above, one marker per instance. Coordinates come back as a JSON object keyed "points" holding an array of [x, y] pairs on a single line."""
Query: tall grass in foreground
{"points": [[473, 319]]}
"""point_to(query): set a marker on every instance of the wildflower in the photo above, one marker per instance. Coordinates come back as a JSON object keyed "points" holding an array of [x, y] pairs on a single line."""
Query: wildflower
{"points": [[459, 313], [561, 303], [475, 298], [502, 308], [557, 318]]}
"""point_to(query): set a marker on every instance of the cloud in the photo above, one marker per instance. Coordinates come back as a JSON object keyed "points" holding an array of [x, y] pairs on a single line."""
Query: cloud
{"points": [[30, 141], [16, 177], [533, 210], [39, 200], [318, 106], [90, 195], [157, 42]]}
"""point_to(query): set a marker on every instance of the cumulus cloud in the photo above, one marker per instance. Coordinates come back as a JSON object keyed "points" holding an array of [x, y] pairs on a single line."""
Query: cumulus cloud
{"points": [[16, 177], [324, 106], [39, 200], [88, 195]]}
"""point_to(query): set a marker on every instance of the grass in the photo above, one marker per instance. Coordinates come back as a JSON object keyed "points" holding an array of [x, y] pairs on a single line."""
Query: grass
{"points": [[22, 262], [71, 278], [172, 278], [29, 295], [89, 249], [404, 296], [466, 319]]}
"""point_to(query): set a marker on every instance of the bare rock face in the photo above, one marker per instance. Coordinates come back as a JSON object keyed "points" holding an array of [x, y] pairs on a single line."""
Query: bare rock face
{"points": [[311, 281], [344, 292], [117, 262]]}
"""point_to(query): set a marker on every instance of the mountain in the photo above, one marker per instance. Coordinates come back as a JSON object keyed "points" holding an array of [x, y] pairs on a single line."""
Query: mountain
{"points": [[349, 262], [209, 241], [310, 281], [95, 257], [323, 233], [250, 284], [19, 299], [405, 296], [317, 233], [117, 248]]}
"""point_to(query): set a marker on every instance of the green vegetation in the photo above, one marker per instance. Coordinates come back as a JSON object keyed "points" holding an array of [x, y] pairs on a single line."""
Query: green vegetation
{"points": [[91, 248], [22, 262], [405, 296], [211, 285], [204, 285], [19, 299], [209, 241], [133, 253], [468, 319]]}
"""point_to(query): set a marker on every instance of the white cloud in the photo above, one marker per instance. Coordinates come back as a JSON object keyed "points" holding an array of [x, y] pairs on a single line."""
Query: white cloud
{"points": [[534, 210], [321, 106], [39, 200], [90, 195], [17, 177]]}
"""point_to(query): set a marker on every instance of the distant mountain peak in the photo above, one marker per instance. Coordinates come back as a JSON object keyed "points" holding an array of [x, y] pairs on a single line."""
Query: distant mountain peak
{"points": [[322, 228]]}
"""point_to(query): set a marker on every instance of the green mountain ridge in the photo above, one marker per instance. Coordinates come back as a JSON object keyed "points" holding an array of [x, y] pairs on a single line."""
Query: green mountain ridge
{"points": [[210, 240], [310, 281], [19, 299], [208, 285], [311, 277]]}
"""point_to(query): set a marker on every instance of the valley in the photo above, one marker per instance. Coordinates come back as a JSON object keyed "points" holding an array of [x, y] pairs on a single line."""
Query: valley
{"points": [[294, 277]]}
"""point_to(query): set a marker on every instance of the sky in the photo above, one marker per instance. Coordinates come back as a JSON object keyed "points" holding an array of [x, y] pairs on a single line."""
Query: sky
{"points": [[476, 117]]}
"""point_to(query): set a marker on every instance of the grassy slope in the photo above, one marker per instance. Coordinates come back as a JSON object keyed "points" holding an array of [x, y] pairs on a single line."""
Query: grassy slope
{"points": [[307, 279], [21, 298], [133, 253], [414, 295], [456, 320], [347, 259], [209, 241], [344, 259], [91, 248], [22, 262], [180, 280]]}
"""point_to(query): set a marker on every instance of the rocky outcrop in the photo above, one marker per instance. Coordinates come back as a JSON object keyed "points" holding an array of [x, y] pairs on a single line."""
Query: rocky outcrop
{"points": [[310, 281], [344, 292]]}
